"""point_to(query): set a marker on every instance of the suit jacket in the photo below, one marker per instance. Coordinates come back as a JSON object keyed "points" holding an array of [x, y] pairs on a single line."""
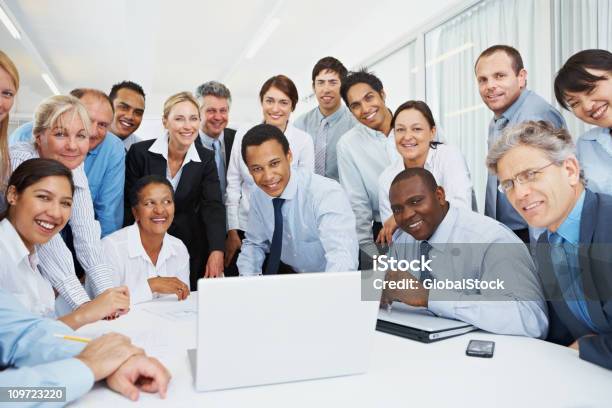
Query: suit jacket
{"points": [[228, 136], [595, 259], [199, 217]]}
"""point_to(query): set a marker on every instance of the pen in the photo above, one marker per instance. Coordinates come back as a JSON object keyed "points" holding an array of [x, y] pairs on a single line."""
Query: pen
{"points": [[73, 338]]}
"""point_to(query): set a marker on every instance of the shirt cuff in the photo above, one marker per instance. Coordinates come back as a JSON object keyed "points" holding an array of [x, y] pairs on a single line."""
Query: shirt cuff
{"points": [[80, 379], [442, 302]]}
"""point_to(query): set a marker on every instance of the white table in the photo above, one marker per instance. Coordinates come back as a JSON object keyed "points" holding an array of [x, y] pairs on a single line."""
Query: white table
{"points": [[524, 372]]}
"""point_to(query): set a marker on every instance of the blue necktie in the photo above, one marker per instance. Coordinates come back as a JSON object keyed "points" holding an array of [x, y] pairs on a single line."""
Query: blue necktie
{"points": [[220, 165], [321, 148], [424, 249], [277, 238]]}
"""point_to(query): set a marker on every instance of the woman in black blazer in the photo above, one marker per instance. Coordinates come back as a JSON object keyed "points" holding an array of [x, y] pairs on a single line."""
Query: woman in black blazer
{"points": [[199, 219]]}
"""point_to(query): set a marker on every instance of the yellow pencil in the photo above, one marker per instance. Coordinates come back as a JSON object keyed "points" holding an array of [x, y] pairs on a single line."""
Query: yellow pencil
{"points": [[73, 338]]}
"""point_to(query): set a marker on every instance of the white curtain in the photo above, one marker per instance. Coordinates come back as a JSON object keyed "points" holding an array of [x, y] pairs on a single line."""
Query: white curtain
{"points": [[450, 52]]}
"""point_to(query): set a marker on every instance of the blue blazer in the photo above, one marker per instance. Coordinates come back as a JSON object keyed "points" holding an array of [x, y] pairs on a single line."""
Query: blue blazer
{"points": [[595, 258]]}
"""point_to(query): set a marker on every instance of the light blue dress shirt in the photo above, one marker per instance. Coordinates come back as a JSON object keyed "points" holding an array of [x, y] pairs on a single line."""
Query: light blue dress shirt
{"points": [[318, 227], [468, 245], [31, 356], [105, 170], [529, 106], [209, 143], [594, 149], [363, 154], [564, 255], [339, 122]]}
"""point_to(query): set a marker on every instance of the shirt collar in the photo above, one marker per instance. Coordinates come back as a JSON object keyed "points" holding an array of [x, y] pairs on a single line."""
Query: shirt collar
{"points": [[441, 235], [160, 146], [16, 248], [511, 111], [208, 141], [334, 117], [135, 248], [569, 230]]}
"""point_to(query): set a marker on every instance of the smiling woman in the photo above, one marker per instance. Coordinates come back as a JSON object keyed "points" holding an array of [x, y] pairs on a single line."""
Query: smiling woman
{"points": [[179, 156], [40, 197]]}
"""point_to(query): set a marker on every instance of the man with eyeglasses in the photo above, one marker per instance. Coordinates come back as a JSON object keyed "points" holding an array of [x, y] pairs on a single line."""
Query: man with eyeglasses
{"points": [[502, 83], [543, 181], [456, 245]]}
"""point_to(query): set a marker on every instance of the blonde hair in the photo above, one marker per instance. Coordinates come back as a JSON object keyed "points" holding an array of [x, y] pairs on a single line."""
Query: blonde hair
{"points": [[5, 162], [51, 109], [178, 98]]}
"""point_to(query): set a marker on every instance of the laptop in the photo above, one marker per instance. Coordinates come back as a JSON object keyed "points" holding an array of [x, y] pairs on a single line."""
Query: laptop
{"points": [[281, 328], [419, 324]]}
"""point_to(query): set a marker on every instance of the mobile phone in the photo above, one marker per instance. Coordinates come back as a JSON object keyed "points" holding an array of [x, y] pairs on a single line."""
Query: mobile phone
{"points": [[480, 348]]}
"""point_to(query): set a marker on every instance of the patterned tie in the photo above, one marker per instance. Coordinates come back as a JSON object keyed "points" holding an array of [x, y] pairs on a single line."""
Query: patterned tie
{"points": [[321, 148], [277, 238], [220, 165], [424, 249]]}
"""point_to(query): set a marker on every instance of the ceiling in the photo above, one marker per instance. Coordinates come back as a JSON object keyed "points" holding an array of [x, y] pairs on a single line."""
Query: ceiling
{"points": [[171, 46]]}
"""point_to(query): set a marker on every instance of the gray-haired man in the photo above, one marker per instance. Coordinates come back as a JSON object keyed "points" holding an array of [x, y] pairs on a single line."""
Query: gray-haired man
{"points": [[215, 100]]}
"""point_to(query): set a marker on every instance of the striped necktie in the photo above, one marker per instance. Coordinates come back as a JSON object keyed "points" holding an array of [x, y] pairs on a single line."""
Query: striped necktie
{"points": [[321, 148]]}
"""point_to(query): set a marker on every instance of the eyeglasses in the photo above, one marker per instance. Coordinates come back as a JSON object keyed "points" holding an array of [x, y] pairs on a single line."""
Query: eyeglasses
{"points": [[523, 177]]}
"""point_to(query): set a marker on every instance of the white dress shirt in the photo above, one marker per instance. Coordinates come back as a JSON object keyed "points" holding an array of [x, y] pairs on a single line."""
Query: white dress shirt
{"points": [[363, 154], [56, 262], [133, 267], [160, 146], [448, 167], [468, 245], [130, 140], [239, 180], [19, 273]]}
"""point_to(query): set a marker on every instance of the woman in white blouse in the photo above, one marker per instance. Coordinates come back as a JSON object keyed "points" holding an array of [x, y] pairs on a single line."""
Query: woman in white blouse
{"points": [[39, 198], [145, 257], [415, 131], [278, 97]]}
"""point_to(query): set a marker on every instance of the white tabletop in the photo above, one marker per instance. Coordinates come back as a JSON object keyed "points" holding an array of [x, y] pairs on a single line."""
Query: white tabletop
{"points": [[523, 372]]}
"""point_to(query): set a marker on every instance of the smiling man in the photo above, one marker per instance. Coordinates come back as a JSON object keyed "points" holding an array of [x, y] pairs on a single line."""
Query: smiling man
{"points": [[364, 152], [128, 100], [330, 120], [543, 180], [502, 83], [461, 245], [297, 217]]}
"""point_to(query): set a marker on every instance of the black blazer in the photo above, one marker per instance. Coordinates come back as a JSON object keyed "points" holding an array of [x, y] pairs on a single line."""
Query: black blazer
{"points": [[199, 217], [228, 137], [595, 259]]}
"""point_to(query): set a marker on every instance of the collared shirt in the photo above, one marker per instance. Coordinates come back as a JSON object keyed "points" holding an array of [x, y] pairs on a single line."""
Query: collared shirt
{"points": [[132, 264], [363, 154], [56, 262], [594, 149], [564, 255], [240, 184], [160, 146], [318, 227], [339, 122], [19, 273], [105, 170], [130, 140], [468, 245], [448, 167], [528, 106], [31, 356], [207, 142]]}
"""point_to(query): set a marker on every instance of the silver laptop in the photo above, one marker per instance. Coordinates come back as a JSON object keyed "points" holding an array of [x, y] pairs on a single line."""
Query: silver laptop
{"points": [[273, 329]]}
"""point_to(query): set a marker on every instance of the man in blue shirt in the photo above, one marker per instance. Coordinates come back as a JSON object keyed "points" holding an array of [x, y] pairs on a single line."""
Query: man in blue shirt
{"points": [[540, 174], [105, 161], [457, 245], [31, 355], [502, 83], [296, 216], [330, 120], [363, 153]]}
